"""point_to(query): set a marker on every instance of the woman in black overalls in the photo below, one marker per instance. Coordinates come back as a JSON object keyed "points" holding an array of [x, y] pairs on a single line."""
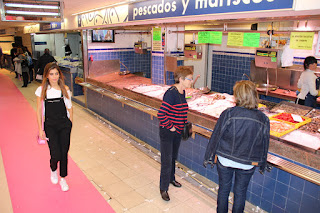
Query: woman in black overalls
{"points": [[57, 121]]}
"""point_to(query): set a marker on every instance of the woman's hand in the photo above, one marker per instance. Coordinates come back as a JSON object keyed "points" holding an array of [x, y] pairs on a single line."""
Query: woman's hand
{"points": [[173, 129], [42, 135]]}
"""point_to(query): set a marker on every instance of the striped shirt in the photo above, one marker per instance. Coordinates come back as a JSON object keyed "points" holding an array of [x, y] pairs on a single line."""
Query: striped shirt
{"points": [[173, 110]]}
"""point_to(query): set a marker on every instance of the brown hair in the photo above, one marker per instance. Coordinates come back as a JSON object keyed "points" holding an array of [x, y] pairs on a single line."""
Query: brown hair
{"points": [[19, 51], [182, 72], [246, 94], [46, 83]]}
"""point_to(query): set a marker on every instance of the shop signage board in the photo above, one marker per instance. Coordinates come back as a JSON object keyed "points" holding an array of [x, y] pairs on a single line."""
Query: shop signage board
{"points": [[235, 39], [111, 15], [251, 39], [155, 9], [301, 40], [211, 37], [156, 39], [50, 26]]}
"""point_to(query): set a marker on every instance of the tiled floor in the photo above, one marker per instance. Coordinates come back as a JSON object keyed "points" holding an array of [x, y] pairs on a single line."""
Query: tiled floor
{"points": [[125, 176]]}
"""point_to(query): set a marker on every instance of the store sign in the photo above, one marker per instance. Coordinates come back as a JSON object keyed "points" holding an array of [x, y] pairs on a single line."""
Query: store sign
{"points": [[31, 28], [155, 9], [50, 26], [111, 15]]}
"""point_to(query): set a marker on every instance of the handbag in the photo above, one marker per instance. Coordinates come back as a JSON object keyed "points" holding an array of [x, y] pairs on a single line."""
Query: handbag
{"points": [[187, 131], [187, 127], [38, 77], [41, 141]]}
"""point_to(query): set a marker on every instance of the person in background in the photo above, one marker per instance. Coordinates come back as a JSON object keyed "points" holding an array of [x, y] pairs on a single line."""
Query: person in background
{"points": [[43, 61], [1, 58], [21, 66], [13, 52], [307, 83], [55, 97], [239, 143], [172, 116], [30, 62]]}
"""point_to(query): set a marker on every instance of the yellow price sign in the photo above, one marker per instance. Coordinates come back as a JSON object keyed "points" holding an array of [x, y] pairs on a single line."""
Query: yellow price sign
{"points": [[235, 39], [301, 40]]}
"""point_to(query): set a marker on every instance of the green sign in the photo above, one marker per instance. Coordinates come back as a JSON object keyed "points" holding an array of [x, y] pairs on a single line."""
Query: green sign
{"points": [[235, 39], [215, 37], [251, 39], [203, 37], [273, 59], [156, 34], [212, 37]]}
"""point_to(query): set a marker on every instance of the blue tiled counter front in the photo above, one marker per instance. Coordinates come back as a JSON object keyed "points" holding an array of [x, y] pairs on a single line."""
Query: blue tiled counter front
{"points": [[69, 79], [277, 191]]}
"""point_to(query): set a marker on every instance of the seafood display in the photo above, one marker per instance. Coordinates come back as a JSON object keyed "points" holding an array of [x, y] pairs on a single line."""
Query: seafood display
{"points": [[290, 109], [286, 117], [309, 140], [313, 126], [280, 127], [282, 123]]}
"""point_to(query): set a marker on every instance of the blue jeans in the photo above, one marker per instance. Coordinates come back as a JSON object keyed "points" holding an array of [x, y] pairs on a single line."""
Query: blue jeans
{"points": [[169, 147], [242, 179]]}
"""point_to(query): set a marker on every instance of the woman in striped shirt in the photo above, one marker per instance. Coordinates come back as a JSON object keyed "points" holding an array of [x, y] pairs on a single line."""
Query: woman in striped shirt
{"points": [[172, 116]]}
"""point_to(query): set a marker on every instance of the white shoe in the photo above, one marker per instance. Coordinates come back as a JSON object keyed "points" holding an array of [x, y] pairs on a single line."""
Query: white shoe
{"points": [[54, 177], [64, 185]]}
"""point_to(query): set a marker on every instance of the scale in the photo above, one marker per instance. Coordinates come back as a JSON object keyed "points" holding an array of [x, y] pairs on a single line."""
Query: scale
{"points": [[267, 58]]}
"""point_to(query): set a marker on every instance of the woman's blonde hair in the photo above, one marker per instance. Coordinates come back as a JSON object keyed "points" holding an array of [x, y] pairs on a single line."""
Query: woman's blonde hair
{"points": [[46, 83], [246, 94], [182, 72]]}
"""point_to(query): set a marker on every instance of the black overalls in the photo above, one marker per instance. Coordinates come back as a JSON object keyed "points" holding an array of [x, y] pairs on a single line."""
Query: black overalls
{"points": [[57, 127]]}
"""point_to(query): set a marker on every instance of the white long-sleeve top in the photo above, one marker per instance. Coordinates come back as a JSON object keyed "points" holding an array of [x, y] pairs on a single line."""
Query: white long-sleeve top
{"points": [[307, 83]]}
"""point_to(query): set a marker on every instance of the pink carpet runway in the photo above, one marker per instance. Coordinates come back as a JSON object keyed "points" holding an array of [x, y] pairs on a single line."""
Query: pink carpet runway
{"points": [[27, 164]]}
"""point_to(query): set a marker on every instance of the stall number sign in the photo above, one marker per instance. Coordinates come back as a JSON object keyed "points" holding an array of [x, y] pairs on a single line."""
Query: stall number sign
{"points": [[243, 39], [301, 40], [211, 37]]}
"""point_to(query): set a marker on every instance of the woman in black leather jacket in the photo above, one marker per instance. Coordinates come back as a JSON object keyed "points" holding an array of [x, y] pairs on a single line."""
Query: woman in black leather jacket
{"points": [[238, 144]]}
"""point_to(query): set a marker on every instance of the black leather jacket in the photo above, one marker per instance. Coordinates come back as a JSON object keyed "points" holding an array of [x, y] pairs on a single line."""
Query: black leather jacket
{"points": [[241, 135]]}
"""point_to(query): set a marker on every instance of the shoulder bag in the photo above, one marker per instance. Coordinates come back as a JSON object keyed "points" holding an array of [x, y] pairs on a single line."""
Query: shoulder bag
{"points": [[187, 127]]}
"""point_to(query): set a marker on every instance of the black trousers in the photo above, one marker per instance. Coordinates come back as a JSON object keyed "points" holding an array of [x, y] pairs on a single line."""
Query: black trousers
{"points": [[169, 147], [25, 77], [58, 132]]}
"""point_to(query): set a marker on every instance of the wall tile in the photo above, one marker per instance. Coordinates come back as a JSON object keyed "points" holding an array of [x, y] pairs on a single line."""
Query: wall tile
{"points": [[283, 177], [309, 204], [311, 189], [279, 201], [294, 195], [297, 183], [267, 195], [281, 189], [292, 207]]}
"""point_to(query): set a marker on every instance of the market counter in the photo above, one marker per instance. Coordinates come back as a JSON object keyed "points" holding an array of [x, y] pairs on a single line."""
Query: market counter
{"points": [[111, 98], [283, 94], [119, 84]]}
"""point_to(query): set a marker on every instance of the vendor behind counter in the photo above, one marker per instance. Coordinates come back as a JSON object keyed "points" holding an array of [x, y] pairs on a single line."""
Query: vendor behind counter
{"points": [[308, 83]]}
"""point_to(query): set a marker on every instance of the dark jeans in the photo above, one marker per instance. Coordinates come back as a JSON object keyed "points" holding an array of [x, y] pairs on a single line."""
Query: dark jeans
{"points": [[25, 77], [59, 143], [169, 147], [242, 179]]}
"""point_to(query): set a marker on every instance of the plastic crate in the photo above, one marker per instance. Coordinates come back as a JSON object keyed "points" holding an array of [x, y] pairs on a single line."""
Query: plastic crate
{"points": [[294, 125]]}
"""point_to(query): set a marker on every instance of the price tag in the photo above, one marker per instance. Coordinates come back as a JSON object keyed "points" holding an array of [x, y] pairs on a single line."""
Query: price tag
{"points": [[297, 118]]}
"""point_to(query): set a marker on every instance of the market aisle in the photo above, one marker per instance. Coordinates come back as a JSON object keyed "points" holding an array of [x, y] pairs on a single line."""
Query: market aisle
{"points": [[126, 177], [26, 163]]}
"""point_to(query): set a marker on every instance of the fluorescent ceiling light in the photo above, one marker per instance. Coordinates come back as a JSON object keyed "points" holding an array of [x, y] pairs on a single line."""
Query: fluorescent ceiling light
{"points": [[31, 13], [31, 6], [108, 6]]}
